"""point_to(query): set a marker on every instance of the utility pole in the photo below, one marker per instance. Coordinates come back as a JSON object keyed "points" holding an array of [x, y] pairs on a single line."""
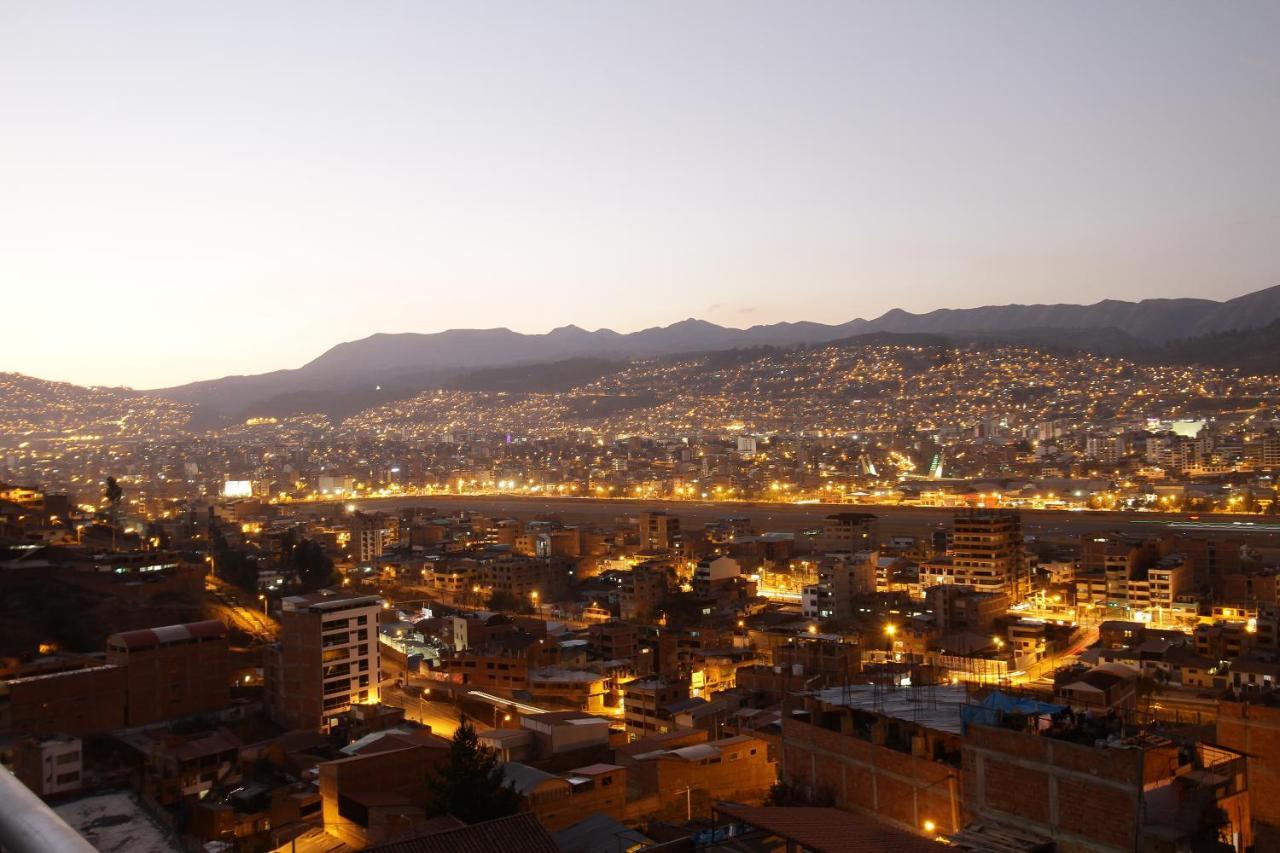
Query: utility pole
{"points": [[688, 803]]}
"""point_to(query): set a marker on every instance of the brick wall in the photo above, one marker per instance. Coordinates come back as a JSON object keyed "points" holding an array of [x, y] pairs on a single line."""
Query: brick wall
{"points": [[403, 772], [862, 776], [1084, 798], [1255, 731], [169, 681], [606, 793], [78, 702], [744, 773]]}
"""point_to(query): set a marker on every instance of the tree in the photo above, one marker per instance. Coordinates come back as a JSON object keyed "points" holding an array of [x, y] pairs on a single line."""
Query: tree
{"points": [[503, 601], [1147, 689], [233, 566], [114, 494], [469, 784], [307, 560], [156, 533], [682, 609], [795, 794]]}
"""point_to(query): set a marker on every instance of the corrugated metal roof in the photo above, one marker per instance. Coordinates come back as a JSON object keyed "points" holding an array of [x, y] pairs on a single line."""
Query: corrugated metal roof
{"points": [[522, 778], [828, 830], [519, 832], [211, 629]]}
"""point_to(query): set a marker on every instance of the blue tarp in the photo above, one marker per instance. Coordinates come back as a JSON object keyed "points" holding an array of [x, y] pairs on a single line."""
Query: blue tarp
{"points": [[997, 705]]}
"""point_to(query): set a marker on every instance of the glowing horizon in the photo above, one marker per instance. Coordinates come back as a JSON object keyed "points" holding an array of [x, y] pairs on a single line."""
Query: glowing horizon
{"points": [[191, 192]]}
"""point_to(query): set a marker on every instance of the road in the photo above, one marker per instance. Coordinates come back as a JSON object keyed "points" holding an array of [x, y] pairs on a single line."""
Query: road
{"points": [[1044, 669], [230, 605], [440, 716], [893, 520], [1184, 705]]}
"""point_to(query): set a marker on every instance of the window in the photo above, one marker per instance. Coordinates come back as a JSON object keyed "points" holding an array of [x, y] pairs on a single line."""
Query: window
{"points": [[68, 778]]}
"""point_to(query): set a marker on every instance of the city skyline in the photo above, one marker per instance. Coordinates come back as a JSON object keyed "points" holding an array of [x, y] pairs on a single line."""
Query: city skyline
{"points": [[237, 190], [565, 427]]}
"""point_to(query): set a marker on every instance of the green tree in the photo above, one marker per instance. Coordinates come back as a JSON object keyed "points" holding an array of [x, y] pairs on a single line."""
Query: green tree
{"points": [[114, 494], [307, 560], [233, 566], [682, 609], [156, 531], [503, 601], [469, 783], [1147, 689]]}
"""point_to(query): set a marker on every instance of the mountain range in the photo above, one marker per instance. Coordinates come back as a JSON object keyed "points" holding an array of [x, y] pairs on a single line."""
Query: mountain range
{"points": [[381, 368]]}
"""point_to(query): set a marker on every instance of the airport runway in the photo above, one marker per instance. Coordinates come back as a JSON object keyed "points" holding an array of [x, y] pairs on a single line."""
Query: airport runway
{"points": [[779, 517]]}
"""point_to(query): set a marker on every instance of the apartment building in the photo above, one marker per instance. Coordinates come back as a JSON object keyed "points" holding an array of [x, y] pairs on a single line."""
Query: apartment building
{"points": [[847, 532], [173, 671], [659, 531], [987, 553], [646, 702], [326, 659]]}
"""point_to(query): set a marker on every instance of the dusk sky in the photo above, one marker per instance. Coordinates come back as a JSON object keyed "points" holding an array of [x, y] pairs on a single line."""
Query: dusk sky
{"points": [[189, 190]]}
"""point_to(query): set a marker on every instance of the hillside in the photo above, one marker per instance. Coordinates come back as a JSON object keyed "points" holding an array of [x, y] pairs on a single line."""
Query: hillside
{"points": [[36, 407], [386, 367]]}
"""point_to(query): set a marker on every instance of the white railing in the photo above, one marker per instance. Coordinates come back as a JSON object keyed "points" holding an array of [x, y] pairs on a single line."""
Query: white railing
{"points": [[27, 825]]}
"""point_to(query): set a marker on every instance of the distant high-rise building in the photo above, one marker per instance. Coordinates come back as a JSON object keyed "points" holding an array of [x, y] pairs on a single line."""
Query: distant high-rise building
{"points": [[747, 445], [372, 534], [335, 485], [841, 577], [659, 531], [1104, 448], [1264, 450], [988, 554], [847, 532], [326, 660]]}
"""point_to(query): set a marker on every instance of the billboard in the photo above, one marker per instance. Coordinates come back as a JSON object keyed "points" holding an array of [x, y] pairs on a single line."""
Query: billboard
{"points": [[237, 489]]}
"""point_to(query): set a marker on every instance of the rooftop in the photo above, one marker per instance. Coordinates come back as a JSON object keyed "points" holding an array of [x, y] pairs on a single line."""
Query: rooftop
{"points": [[518, 832], [936, 707], [826, 830], [328, 599], [211, 629]]}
